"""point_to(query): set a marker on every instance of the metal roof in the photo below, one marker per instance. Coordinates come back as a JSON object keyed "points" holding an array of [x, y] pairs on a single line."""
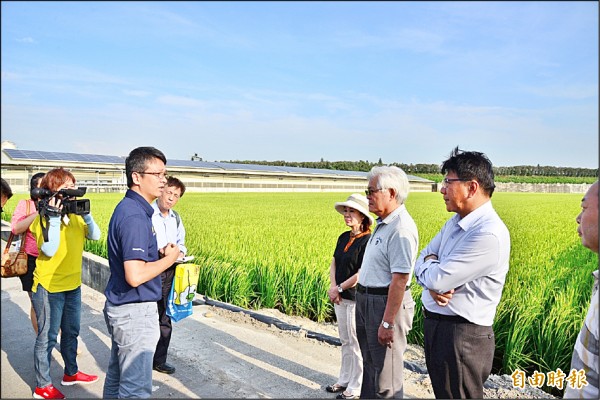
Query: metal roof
{"points": [[17, 154], [30, 155]]}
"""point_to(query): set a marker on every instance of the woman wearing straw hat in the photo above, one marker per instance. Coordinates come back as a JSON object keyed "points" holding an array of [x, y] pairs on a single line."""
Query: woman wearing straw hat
{"points": [[343, 273]]}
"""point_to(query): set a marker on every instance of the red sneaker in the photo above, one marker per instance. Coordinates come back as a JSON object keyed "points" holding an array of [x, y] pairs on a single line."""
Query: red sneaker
{"points": [[79, 378], [48, 392]]}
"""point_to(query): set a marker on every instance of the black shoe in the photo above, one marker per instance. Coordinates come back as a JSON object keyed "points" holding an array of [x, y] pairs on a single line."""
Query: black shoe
{"points": [[164, 368], [335, 388], [343, 395]]}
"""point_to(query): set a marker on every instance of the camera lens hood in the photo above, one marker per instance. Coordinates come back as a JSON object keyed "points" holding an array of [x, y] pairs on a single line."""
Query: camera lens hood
{"points": [[73, 192], [40, 193]]}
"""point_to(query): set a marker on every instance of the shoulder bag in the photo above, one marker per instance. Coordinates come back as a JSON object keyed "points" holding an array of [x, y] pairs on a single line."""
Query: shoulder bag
{"points": [[14, 263]]}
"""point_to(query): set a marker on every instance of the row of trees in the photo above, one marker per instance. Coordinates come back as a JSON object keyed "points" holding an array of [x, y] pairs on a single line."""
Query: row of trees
{"points": [[365, 166]]}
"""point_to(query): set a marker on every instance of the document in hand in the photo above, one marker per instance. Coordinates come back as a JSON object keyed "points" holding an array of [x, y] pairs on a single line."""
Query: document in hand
{"points": [[184, 259]]}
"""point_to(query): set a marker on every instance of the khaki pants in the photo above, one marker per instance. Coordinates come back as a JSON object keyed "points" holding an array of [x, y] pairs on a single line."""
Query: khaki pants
{"points": [[351, 370], [383, 367]]}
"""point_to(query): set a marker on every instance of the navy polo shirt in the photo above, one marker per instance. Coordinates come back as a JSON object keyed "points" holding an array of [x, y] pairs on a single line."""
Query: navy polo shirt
{"points": [[131, 237]]}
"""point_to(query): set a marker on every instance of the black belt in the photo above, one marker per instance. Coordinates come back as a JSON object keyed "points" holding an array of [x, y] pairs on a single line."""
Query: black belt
{"points": [[441, 317], [380, 291]]}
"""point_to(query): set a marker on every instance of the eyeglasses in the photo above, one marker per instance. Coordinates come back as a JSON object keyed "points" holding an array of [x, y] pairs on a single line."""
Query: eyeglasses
{"points": [[369, 192], [448, 181], [159, 175]]}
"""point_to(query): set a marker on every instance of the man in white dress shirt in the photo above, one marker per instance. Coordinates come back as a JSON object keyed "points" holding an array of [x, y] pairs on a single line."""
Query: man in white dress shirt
{"points": [[169, 229], [462, 272]]}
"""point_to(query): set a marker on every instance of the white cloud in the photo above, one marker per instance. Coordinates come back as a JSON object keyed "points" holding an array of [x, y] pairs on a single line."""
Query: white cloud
{"points": [[26, 40], [180, 101], [417, 40], [573, 91]]}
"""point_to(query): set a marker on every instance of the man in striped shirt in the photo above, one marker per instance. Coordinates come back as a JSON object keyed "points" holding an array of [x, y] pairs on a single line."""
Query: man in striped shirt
{"points": [[585, 353]]}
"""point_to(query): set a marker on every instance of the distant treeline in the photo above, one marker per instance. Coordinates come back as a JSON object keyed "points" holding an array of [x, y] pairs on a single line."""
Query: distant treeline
{"points": [[418, 169]]}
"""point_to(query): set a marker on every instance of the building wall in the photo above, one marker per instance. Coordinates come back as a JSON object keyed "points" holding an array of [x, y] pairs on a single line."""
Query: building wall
{"points": [[543, 187], [109, 178]]}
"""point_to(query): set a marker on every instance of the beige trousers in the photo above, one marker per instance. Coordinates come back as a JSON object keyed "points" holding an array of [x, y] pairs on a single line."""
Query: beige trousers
{"points": [[351, 369]]}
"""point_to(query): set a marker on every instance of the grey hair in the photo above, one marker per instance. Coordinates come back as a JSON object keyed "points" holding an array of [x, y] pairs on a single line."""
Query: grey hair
{"points": [[391, 177]]}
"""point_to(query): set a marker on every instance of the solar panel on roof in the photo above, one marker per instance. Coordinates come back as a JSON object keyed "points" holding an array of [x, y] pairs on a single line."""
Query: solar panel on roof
{"points": [[97, 158], [16, 154], [69, 157], [32, 154], [28, 154], [313, 171], [39, 154], [62, 156], [352, 173], [253, 167], [192, 164]]}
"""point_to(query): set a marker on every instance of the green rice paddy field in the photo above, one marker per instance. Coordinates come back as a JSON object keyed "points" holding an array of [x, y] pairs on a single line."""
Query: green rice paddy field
{"points": [[273, 250]]}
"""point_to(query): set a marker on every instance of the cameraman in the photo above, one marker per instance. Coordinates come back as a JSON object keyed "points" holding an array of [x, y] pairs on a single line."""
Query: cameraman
{"points": [[57, 283]]}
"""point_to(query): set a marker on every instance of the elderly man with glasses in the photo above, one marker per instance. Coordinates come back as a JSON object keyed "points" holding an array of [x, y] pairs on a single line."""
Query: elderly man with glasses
{"points": [[384, 305], [169, 229]]}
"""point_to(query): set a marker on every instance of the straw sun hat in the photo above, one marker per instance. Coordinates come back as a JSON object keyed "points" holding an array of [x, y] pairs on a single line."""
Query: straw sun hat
{"points": [[358, 202]]}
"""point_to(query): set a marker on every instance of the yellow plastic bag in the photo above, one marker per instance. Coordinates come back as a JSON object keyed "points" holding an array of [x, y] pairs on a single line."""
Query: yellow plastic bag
{"points": [[185, 282]]}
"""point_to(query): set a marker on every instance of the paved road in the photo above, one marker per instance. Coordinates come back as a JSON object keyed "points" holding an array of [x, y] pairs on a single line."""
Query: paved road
{"points": [[216, 357]]}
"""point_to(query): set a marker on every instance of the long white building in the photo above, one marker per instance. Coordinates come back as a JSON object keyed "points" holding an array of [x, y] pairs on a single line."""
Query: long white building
{"points": [[105, 173]]}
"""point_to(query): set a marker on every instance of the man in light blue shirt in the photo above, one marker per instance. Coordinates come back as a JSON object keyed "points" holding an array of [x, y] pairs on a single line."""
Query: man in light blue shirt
{"points": [[169, 229], [462, 271]]}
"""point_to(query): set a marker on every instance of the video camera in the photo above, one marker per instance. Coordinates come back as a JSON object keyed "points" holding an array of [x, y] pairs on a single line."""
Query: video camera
{"points": [[70, 205]]}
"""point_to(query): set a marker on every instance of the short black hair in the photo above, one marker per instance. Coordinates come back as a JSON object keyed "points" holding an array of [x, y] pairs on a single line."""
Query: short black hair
{"points": [[33, 182], [471, 165], [174, 182], [138, 158], [5, 189]]}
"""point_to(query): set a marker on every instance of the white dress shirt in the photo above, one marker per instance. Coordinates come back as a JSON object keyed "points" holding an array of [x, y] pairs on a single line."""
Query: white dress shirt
{"points": [[473, 255], [167, 230]]}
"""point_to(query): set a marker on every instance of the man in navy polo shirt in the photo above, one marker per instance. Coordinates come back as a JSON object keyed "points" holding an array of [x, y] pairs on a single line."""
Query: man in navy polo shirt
{"points": [[134, 285]]}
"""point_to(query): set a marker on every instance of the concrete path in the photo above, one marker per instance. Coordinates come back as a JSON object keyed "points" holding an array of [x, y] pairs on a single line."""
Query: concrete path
{"points": [[215, 357]]}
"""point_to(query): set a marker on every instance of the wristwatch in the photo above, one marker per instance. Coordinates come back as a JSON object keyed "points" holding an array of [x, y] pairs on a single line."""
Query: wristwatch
{"points": [[340, 290], [386, 325]]}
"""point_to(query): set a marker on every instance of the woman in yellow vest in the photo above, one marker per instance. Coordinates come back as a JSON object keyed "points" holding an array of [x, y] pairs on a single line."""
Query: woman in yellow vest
{"points": [[60, 233]]}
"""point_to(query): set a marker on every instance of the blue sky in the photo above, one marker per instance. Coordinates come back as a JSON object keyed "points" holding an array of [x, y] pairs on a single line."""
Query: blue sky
{"points": [[300, 81]]}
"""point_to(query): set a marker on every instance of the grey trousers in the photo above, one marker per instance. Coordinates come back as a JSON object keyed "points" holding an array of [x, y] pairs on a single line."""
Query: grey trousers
{"points": [[134, 332], [459, 357], [383, 367]]}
